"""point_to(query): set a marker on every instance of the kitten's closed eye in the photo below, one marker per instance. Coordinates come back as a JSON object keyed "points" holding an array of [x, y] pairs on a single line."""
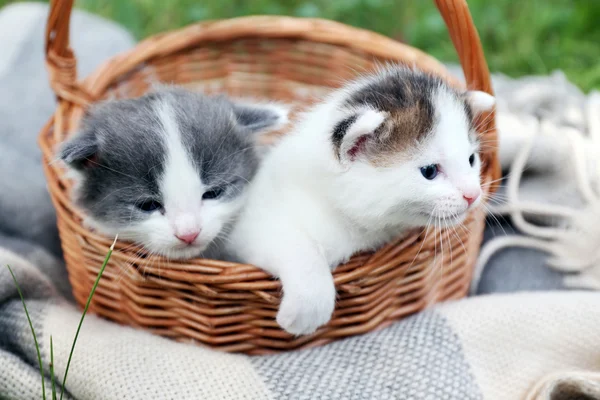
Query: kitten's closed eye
{"points": [[149, 205], [218, 191], [213, 194]]}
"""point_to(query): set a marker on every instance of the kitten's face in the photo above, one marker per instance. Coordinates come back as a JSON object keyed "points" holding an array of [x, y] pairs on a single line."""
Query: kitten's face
{"points": [[417, 159], [441, 178], [168, 170]]}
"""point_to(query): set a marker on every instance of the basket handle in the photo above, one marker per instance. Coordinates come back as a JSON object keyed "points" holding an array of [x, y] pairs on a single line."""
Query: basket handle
{"points": [[60, 60], [467, 43], [62, 65]]}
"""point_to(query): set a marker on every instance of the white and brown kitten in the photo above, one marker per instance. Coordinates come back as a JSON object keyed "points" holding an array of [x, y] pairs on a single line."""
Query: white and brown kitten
{"points": [[386, 153]]}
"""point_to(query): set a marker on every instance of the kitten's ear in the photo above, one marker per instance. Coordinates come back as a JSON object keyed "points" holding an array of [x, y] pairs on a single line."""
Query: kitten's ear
{"points": [[351, 134], [80, 152], [480, 101], [258, 118]]}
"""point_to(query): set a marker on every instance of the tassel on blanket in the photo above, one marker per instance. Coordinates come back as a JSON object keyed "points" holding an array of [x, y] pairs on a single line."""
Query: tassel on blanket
{"points": [[552, 192], [567, 386]]}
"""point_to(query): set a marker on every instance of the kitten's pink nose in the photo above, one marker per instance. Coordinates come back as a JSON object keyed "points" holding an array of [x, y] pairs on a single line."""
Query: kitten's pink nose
{"points": [[470, 198], [188, 237]]}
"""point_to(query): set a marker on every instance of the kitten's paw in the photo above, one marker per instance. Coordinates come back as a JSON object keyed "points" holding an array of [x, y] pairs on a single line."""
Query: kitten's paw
{"points": [[304, 309]]}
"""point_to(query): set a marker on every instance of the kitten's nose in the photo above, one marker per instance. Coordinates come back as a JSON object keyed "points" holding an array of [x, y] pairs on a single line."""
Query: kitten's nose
{"points": [[470, 198], [188, 237]]}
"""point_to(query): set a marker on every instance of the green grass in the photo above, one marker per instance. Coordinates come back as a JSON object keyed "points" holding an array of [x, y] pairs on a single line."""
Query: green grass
{"points": [[37, 347], [520, 36], [35, 341]]}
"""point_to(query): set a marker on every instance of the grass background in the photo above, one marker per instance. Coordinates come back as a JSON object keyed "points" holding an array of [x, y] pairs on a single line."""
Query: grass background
{"points": [[519, 36]]}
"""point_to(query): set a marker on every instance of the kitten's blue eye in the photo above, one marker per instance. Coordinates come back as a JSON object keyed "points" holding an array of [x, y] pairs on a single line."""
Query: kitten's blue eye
{"points": [[212, 194], [430, 171], [149, 205], [472, 159]]}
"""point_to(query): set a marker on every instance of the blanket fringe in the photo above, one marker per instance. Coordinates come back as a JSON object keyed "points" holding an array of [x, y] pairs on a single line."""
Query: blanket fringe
{"points": [[567, 386], [572, 243]]}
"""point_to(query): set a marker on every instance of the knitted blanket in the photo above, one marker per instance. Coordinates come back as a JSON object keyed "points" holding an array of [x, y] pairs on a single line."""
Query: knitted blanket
{"points": [[486, 347], [521, 336]]}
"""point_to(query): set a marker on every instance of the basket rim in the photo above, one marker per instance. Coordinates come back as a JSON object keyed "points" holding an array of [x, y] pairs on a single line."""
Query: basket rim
{"points": [[256, 26]]}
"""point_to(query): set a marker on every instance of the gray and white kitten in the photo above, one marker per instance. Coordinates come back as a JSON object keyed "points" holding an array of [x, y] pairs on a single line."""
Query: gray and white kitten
{"points": [[167, 170]]}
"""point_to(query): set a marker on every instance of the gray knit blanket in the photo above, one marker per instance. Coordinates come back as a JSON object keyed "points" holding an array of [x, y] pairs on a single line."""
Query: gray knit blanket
{"points": [[524, 334]]}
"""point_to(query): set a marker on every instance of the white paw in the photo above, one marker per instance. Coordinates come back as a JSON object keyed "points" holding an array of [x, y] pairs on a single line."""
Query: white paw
{"points": [[304, 309]]}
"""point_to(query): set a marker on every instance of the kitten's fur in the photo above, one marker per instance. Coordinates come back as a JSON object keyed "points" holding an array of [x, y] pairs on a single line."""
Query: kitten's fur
{"points": [[349, 179], [170, 164]]}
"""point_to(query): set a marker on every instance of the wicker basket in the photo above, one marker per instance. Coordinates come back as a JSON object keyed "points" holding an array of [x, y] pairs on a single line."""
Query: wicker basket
{"points": [[230, 306]]}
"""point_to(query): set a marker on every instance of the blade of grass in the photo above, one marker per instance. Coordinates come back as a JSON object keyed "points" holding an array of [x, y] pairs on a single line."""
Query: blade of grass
{"points": [[37, 347], [52, 376], [87, 305]]}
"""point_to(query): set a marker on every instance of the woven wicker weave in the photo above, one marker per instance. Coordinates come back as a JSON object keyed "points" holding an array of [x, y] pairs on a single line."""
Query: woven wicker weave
{"points": [[232, 306]]}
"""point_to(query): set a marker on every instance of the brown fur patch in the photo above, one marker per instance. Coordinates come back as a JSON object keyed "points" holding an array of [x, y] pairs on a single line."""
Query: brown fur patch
{"points": [[407, 96], [402, 132]]}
